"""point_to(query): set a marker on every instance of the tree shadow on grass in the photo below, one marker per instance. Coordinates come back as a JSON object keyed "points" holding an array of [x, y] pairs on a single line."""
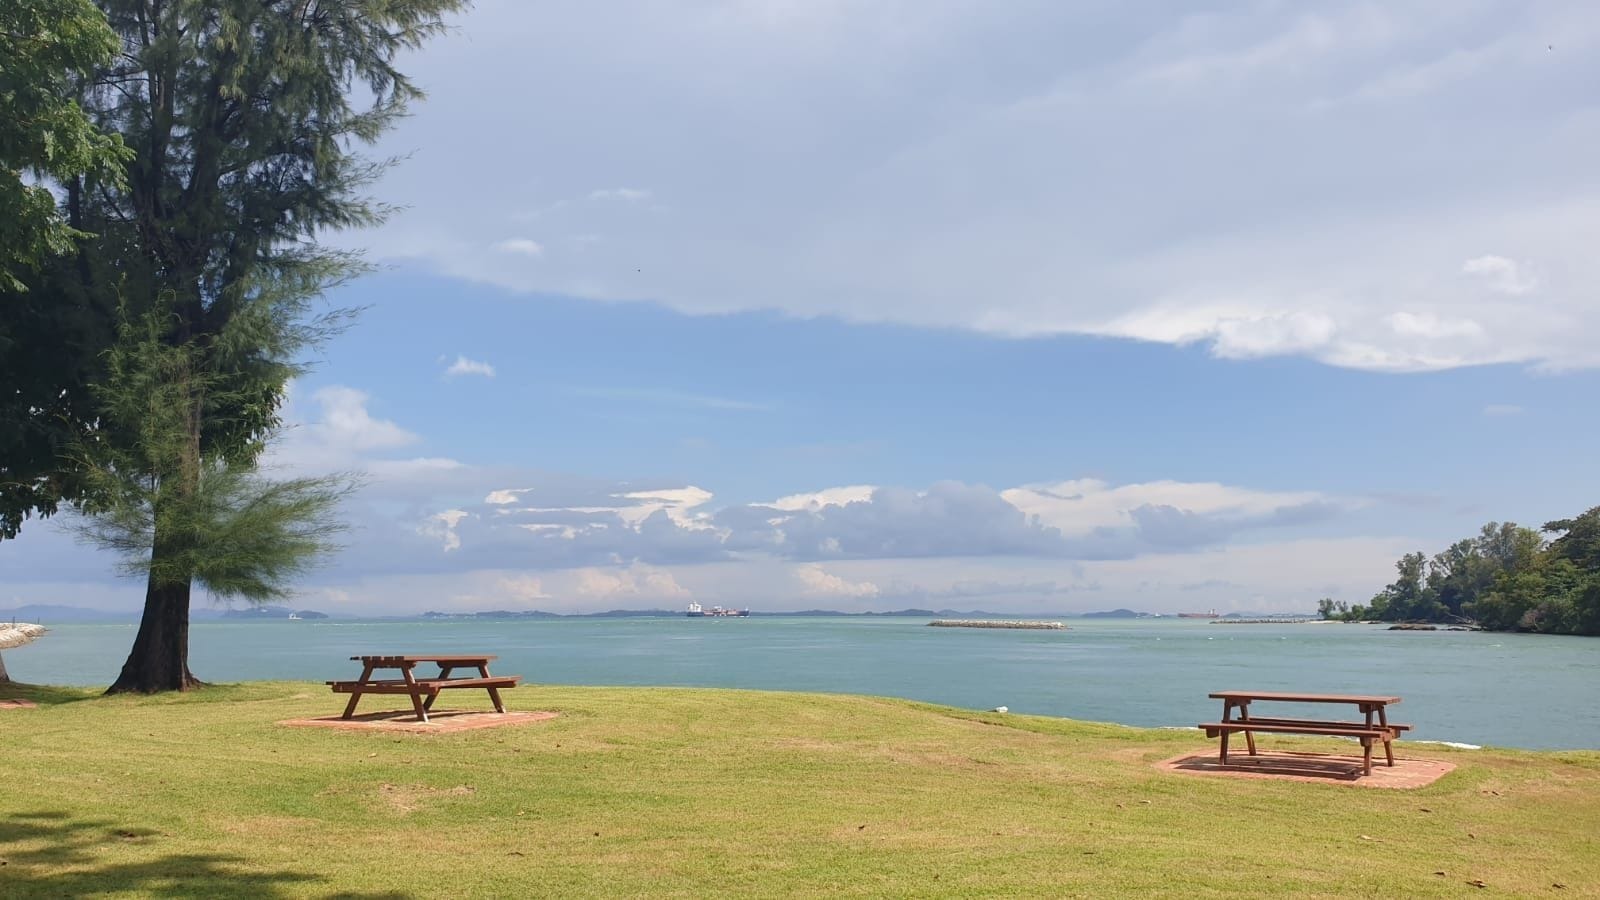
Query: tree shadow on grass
{"points": [[52, 854], [44, 694]]}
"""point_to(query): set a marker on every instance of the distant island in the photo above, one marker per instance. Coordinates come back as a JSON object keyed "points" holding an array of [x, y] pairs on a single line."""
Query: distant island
{"points": [[257, 613]]}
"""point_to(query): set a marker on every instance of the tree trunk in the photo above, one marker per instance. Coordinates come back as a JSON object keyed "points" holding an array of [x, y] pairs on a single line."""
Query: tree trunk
{"points": [[4, 678], [159, 660]]}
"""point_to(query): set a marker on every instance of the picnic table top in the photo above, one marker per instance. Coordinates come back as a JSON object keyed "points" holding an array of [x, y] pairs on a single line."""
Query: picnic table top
{"points": [[463, 659], [1366, 699]]}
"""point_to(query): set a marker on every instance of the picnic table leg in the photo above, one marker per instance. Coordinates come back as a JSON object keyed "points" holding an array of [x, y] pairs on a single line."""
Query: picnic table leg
{"points": [[1225, 733], [444, 672], [1388, 736], [494, 693], [355, 695], [1366, 755], [416, 692], [1249, 736]]}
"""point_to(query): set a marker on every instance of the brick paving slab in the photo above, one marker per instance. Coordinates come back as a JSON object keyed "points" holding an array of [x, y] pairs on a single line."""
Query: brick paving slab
{"points": [[18, 704], [1407, 772], [442, 721]]}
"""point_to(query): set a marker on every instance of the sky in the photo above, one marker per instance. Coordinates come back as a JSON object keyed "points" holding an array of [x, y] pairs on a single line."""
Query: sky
{"points": [[1026, 307]]}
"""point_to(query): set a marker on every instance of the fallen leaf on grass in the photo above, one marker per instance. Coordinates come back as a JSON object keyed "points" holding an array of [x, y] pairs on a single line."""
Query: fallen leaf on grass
{"points": [[1366, 837], [1477, 883]]}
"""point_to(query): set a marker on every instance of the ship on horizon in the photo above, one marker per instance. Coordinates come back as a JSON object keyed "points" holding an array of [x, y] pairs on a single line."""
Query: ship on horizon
{"points": [[1205, 615]]}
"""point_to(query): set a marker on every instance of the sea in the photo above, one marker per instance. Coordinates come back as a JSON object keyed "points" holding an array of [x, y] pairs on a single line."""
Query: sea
{"points": [[1463, 687]]}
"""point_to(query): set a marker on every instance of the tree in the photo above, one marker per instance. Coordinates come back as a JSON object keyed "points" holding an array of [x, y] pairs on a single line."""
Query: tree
{"points": [[243, 120], [1407, 597], [219, 523], [1328, 609], [1579, 547], [45, 46], [50, 340]]}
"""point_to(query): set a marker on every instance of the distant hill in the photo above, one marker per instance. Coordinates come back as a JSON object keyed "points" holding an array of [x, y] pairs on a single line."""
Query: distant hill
{"points": [[1116, 614], [270, 613]]}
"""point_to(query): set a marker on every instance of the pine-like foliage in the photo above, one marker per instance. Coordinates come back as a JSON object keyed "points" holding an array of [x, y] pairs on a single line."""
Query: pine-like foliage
{"points": [[218, 522], [246, 119]]}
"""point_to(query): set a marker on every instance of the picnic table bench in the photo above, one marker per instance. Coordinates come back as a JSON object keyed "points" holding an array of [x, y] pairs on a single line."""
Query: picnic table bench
{"points": [[420, 688], [1375, 726]]}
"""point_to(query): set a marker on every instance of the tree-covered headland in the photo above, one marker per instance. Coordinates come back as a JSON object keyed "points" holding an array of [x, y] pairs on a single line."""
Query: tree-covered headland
{"points": [[1506, 578]]}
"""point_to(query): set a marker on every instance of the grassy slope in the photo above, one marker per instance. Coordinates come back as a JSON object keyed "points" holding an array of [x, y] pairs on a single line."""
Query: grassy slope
{"points": [[698, 793]]}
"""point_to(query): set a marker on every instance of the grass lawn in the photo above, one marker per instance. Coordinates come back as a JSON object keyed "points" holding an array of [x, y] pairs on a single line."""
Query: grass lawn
{"points": [[698, 793]]}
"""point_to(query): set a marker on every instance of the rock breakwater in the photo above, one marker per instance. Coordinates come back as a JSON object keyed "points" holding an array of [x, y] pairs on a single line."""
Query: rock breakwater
{"points": [[996, 623]]}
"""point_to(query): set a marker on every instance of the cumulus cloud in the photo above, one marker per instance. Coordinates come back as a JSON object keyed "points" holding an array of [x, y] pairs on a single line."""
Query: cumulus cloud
{"points": [[340, 431], [442, 527], [819, 583], [464, 366], [635, 581]]}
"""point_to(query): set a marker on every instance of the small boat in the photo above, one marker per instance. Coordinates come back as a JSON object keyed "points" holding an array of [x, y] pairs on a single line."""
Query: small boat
{"points": [[697, 611]]}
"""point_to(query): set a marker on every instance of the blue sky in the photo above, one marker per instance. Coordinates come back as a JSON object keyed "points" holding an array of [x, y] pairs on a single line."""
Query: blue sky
{"points": [[1052, 308]]}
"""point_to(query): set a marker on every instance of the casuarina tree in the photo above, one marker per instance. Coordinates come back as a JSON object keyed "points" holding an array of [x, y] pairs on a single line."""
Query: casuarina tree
{"points": [[246, 120]]}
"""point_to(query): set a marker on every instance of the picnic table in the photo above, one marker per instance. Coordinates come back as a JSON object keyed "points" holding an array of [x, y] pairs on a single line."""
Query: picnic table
{"points": [[1374, 727], [420, 688]]}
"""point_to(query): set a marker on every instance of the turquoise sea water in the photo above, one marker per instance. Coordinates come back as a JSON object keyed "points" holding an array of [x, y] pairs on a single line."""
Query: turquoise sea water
{"points": [[1494, 689]]}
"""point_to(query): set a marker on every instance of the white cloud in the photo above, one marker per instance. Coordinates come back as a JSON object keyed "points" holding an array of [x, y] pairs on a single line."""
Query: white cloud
{"points": [[442, 527], [520, 247], [817, 582], [629, 194], [1502, 274], [464, 366], [634, 581], [522, 588], [346, 423], [816, 500], [655, 396], [1259, 177], [337, 435], [1085, 506]]}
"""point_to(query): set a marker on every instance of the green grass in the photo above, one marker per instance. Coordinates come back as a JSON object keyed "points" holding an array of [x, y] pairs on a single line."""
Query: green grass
{"points": [[698, 793]]}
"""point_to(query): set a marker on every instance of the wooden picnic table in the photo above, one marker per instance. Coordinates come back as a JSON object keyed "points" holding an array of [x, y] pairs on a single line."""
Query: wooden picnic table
{"points": [[1375, 725], [420, 688]]}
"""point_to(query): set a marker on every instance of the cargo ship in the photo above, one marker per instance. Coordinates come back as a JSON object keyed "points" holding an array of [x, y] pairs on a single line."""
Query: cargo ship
{"points": [[697, 611], [1204, 615]]}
